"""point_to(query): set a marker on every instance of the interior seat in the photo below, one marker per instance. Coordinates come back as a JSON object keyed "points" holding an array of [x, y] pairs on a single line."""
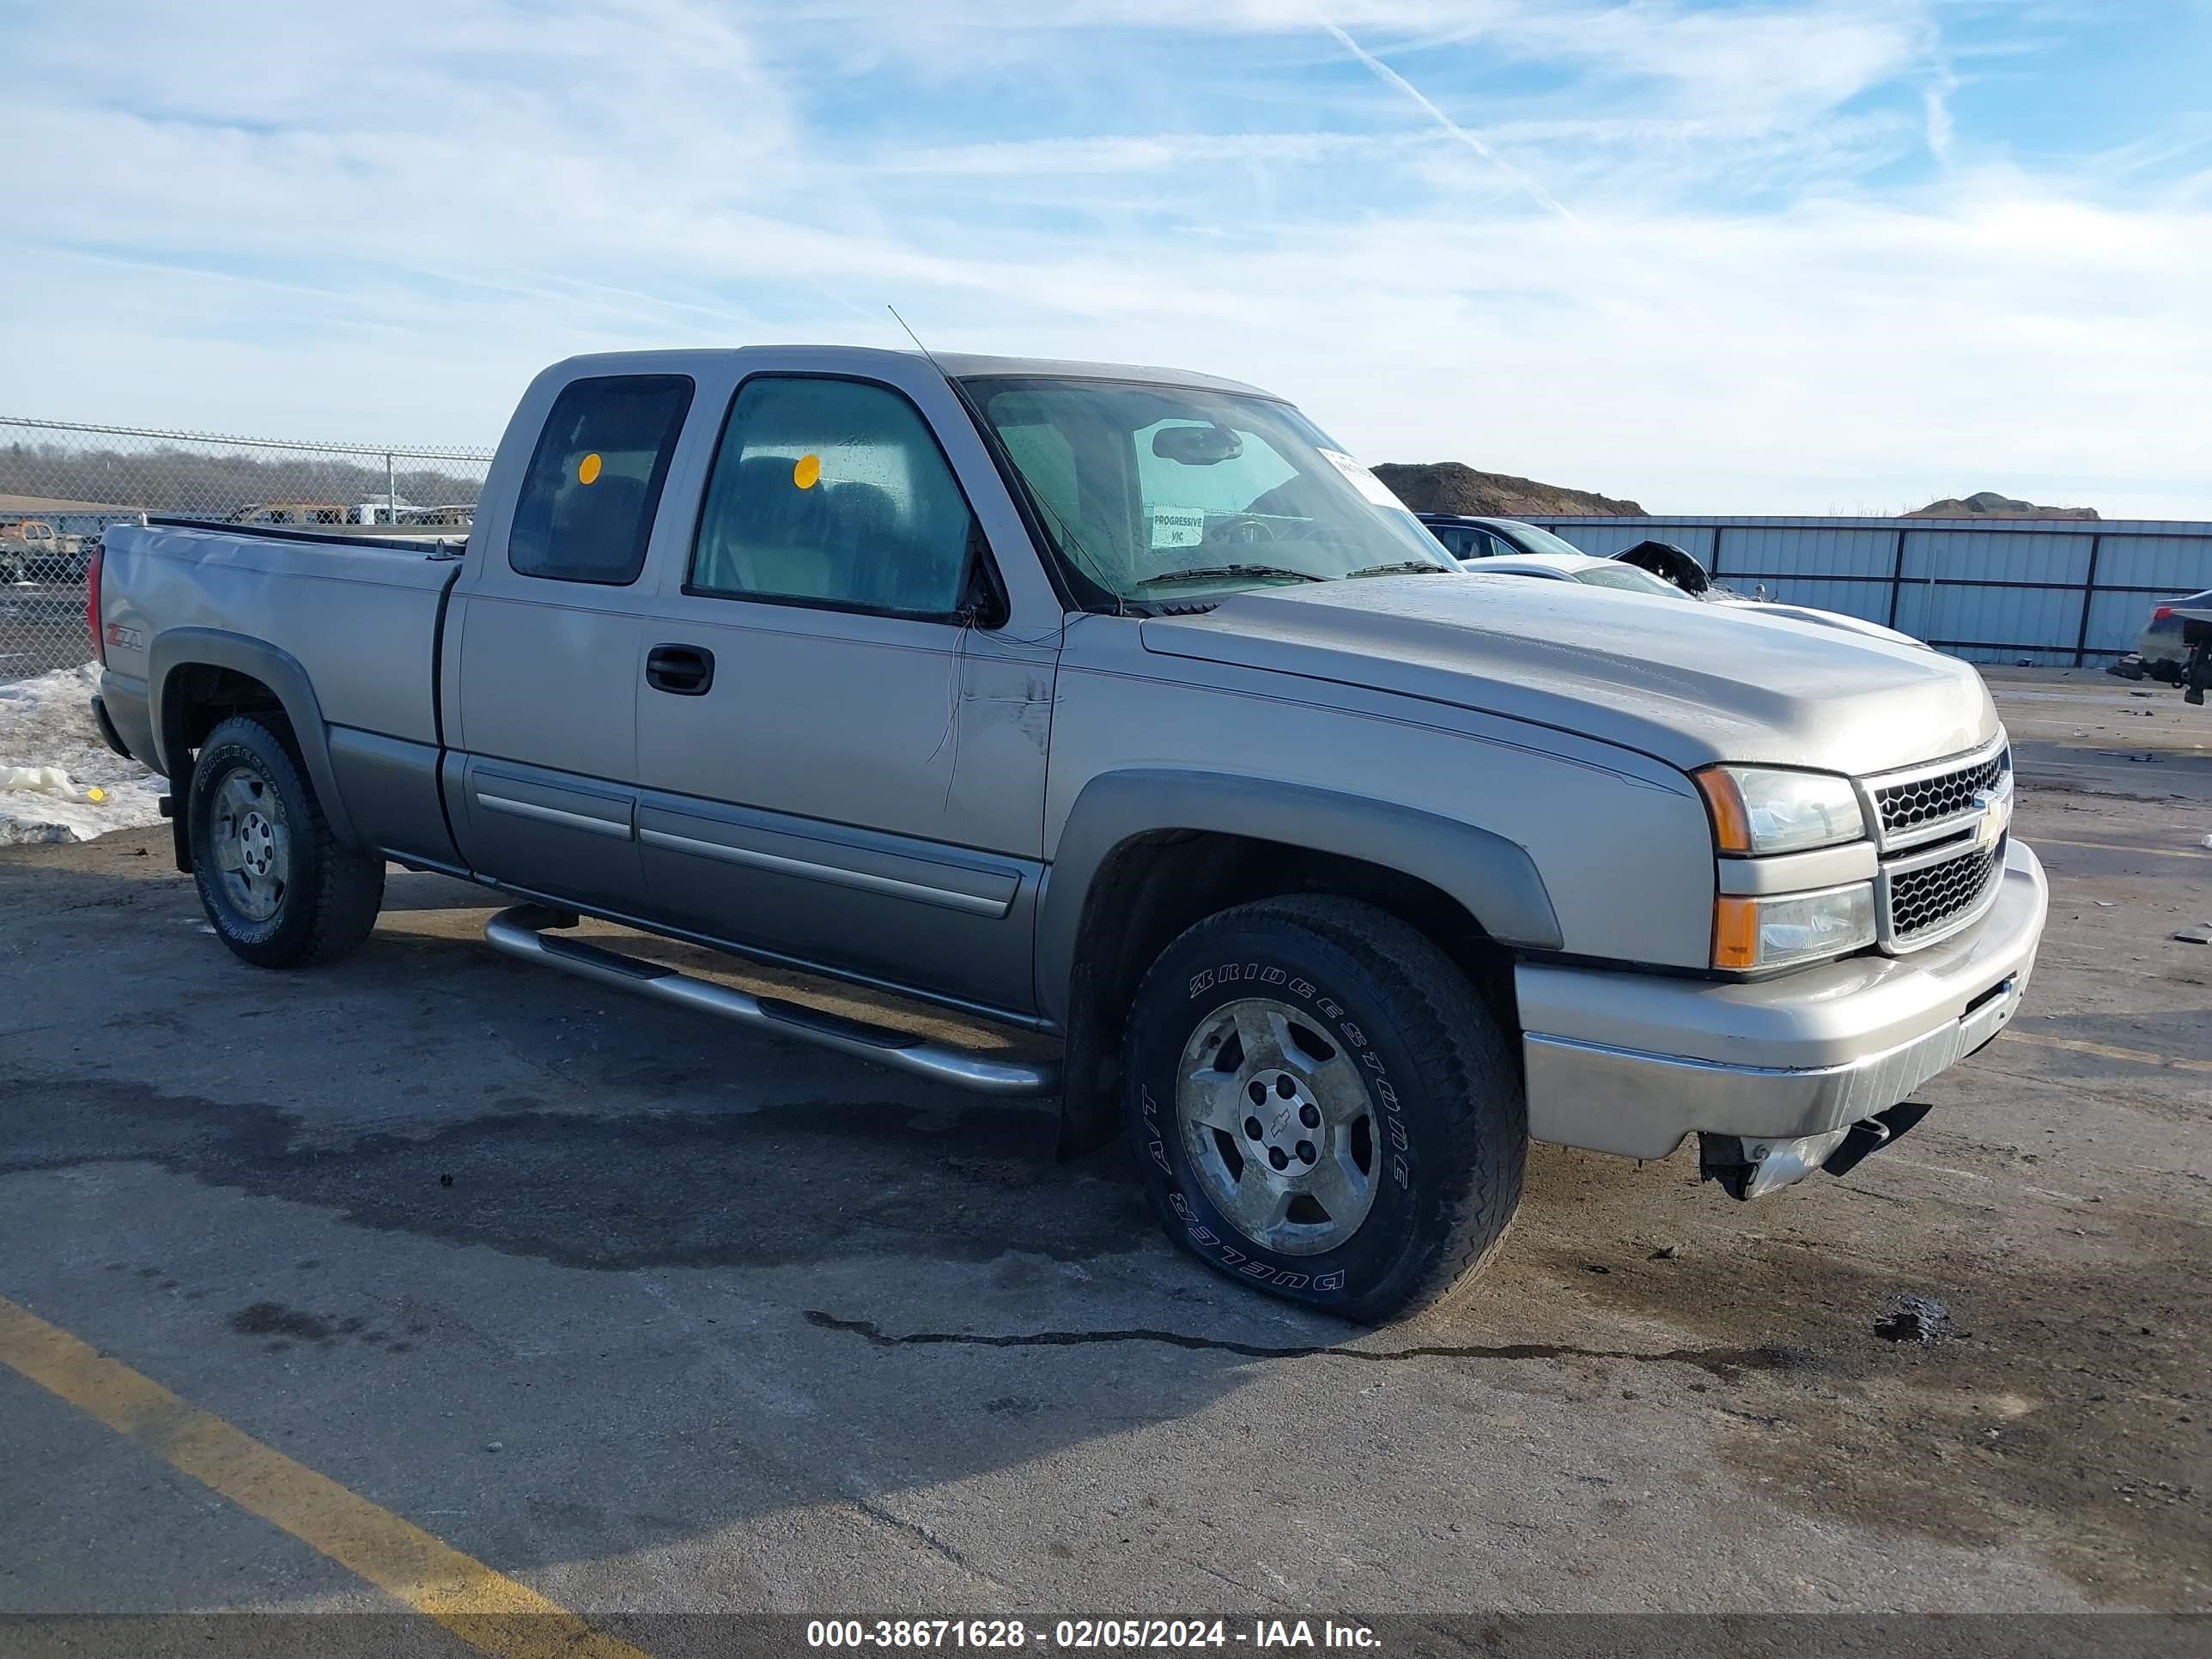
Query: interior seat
{"points": [[771, 537]]}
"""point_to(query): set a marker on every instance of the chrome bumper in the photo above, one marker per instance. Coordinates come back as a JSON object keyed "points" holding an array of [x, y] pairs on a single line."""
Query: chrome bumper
{"points": [[1634, 1063]]}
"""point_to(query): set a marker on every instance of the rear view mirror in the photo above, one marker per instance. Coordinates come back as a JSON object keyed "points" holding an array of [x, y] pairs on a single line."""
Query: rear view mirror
{"points": [[1197, 446]]}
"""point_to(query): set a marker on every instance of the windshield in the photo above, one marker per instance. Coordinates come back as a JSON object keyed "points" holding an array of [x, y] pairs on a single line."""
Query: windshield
{"points": [[1628, 577], [1164, 492], [1537, 540]]}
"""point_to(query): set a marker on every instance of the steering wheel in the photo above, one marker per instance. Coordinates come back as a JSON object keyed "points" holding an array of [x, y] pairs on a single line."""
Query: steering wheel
{"points": [[1245, 530]]}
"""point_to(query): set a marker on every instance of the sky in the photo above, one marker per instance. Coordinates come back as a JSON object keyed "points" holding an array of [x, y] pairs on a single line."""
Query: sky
{"points": [[1796, 256]]}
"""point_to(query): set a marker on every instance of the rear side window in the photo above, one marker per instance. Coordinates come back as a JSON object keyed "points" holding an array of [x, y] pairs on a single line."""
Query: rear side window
{"points": [[832, 493], [586, 507]]}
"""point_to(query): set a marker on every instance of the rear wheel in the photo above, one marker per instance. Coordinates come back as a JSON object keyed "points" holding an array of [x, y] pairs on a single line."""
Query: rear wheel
{"points": [[1323, 1107], [279, 888]]}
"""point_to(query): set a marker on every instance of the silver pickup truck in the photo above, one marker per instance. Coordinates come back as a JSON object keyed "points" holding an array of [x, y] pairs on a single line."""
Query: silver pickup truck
{"points": [[1121, 706]]}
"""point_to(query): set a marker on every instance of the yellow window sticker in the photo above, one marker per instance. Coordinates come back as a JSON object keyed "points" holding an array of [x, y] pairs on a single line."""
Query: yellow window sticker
{"points": [[588, 470], [808, 472]]}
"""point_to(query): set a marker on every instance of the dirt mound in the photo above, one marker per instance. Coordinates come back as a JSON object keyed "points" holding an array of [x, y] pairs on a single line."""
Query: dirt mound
{"points": [[1451, 486], [1988, 504]]}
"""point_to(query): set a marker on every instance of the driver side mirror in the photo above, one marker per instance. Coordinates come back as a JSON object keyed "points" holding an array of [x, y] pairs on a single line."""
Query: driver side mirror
{"points": [[980, 601]]}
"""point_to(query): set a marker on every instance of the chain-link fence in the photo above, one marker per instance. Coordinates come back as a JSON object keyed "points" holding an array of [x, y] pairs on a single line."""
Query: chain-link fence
{"points": [[62, 484]]}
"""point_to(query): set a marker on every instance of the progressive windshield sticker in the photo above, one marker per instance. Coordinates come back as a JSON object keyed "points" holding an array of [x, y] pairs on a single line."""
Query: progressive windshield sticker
{"points": [[1177, 526], [1363, 481]]}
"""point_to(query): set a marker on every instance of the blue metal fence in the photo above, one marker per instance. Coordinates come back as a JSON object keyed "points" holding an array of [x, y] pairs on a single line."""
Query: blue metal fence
{"points": [[2056, 592]]}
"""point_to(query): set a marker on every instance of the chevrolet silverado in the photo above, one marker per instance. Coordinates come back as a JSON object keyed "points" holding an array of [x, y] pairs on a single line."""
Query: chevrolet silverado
{"points": [[1121, 706]]}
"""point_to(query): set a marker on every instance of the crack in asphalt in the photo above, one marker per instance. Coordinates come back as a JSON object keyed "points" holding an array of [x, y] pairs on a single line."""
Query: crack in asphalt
{"points": [[1723, 1363]]}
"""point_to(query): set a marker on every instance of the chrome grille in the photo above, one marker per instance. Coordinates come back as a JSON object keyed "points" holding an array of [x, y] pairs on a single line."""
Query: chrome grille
{"points": [[1915, 804], [1927, 900]]}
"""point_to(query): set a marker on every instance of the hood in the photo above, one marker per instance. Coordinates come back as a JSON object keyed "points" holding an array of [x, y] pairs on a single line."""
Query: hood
{"points": [[1690, 683]]}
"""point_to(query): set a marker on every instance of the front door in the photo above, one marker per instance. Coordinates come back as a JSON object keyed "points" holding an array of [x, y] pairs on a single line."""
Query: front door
{"points": [[843, 759]]}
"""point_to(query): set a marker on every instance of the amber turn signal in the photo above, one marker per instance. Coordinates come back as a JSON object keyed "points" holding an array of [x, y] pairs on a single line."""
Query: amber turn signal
{"points": [[1735, 932], [1724, 800]]}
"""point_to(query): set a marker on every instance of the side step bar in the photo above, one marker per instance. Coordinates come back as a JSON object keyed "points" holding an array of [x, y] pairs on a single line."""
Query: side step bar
{"points": [[519, 932]]}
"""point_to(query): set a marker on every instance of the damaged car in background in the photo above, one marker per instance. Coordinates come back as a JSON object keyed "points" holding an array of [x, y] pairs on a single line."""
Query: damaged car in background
{"points": [[1507, 547]]}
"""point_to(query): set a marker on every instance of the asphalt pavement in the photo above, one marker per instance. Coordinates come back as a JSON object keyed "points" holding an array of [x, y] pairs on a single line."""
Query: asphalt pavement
{"points": [[307, 1278]]}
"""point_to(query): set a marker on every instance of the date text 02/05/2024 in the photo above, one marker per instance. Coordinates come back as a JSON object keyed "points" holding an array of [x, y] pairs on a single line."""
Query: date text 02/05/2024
{"points": [[1089, 1634]]}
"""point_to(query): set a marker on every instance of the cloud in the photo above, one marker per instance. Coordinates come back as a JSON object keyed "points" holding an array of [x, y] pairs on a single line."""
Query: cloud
{"points": [[274, 219], [1390, 77]]}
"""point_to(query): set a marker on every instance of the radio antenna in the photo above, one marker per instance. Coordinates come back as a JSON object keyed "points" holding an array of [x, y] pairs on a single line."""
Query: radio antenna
{"points": [[1066, 530], [916, 339]]}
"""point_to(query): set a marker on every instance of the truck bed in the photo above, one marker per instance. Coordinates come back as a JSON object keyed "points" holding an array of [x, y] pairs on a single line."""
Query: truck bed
{"points": [[359, 613]]}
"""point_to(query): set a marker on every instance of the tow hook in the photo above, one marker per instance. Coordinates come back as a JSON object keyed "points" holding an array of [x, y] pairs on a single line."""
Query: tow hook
{"points": [[1752, 1168], [1871, 1135], [1748, 1167]]}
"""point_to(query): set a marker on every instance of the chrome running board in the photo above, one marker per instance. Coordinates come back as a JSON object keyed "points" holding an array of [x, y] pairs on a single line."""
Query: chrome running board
{"points": [[520, 930]]}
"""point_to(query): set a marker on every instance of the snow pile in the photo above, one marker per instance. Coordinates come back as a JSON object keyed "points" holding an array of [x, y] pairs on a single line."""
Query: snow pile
{"points": [[47, 726]]}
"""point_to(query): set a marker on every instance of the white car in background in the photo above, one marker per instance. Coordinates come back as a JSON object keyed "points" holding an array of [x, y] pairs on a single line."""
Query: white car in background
{"points": [[1594, 572]]}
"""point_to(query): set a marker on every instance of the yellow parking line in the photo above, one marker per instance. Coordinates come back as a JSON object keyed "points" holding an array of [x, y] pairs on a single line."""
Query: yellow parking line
{"points": [[485, 1608], [2106, 1051]]}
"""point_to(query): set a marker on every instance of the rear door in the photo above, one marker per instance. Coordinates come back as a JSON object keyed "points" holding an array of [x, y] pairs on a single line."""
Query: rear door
{"points": [[842, 726], [551, 631]]}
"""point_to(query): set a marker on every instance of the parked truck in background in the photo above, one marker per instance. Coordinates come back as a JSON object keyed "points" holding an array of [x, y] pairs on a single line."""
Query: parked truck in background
{"points": [[31, 550], [1123, 707]]}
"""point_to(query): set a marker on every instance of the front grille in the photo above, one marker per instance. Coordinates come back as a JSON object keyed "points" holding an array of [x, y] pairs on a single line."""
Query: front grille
{"points": [[1921, 901], [1922, 801]]}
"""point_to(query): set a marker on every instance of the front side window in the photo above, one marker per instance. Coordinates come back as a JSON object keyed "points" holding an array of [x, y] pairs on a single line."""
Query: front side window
{"points": [[832, 493], [586, 511], [1157, 493]]}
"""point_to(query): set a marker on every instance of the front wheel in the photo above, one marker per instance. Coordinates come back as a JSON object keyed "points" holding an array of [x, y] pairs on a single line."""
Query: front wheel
{"points": [[1323, 1107], [279, 888]]}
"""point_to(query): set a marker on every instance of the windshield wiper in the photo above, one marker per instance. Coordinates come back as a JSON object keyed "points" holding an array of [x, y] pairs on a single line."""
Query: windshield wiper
{"points": [[1213, 570], [1403, 568]]}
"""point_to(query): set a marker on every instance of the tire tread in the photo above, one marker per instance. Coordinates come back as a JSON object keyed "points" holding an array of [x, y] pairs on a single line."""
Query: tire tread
{"points": [[347, 884], [1453, 1040]]}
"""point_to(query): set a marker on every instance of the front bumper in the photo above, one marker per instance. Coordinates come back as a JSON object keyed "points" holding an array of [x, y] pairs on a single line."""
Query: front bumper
{"points": [[1632, 1063]]}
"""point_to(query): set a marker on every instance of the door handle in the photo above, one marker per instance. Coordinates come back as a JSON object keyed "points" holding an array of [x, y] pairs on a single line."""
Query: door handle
{"points": [[683, 671]]}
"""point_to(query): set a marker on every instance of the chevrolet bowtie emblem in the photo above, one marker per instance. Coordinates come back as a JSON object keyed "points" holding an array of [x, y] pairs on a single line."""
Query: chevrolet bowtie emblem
{"points": [[1997, 818]]}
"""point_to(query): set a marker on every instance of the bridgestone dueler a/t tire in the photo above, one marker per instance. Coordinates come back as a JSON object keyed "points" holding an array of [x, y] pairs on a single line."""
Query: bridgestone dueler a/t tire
{"points": [[332, 892], [1442, 1083]]}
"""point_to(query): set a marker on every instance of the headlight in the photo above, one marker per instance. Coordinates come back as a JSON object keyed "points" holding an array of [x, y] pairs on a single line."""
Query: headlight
{"points": [[1760, 808], [1783, 928]]}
